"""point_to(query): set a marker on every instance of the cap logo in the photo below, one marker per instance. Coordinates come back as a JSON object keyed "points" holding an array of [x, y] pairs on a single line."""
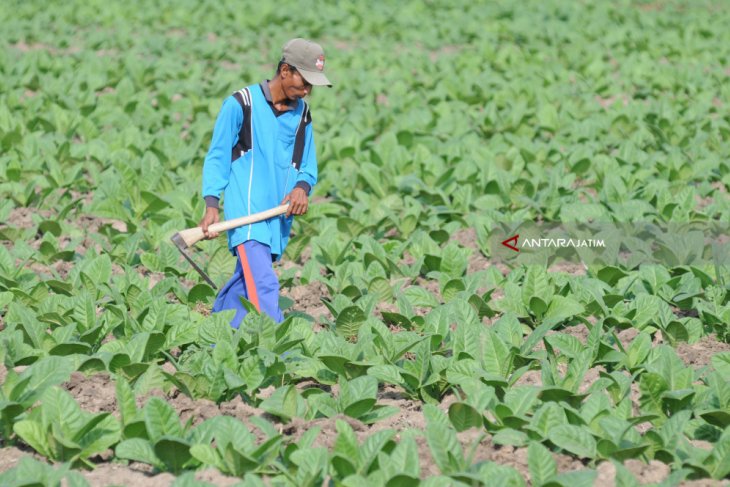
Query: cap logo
{"points": [[319, 64]]}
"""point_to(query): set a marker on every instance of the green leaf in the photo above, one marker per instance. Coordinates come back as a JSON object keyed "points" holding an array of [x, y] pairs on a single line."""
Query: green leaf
{"points": [[372, 446], [445, 448], [453, 260], [34, 435], [357, 390], [349, 320], [611, 275], [497, 358], [346, 444], [216, 328], [50, 226], [562, 307], [138, 450], [161, 419], [509, 436], [652, 386], [575, 439], [173, 452], [200, 293], [541, 464], [59, 407], [721, 362], [547, 417], [638, 350], [464, 416], [380, 287], [537, 306], [547, 117], [452, 289], [99, 433], [99, 269], [125, 401], [206, 455], [578, 478], [44, 373], [718, 463], [358, 408], [285, 402]]}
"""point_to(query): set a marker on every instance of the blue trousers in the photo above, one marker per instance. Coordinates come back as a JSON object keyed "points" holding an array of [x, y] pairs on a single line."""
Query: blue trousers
{"points": [[253, 279]]}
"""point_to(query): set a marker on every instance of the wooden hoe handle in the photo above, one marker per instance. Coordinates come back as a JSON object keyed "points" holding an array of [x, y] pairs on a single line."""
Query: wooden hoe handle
{"points": [[191, 236]]}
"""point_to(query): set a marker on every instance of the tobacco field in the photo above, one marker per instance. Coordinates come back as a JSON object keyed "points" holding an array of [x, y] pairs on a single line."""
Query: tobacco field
{"points": [[410, 355]]}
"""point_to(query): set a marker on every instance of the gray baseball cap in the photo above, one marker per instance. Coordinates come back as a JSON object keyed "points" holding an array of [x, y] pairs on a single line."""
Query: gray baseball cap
{"points": [[308, 58]]}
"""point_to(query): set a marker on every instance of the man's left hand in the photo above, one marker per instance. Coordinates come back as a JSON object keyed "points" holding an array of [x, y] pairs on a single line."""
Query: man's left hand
{"points": [[298, 202]]}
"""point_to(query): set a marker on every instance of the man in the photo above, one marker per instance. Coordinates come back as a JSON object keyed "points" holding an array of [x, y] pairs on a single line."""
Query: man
{"points": [[262, 154]]}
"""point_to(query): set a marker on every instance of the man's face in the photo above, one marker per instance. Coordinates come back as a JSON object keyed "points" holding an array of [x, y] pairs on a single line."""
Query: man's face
{"points": [[293, 84]]}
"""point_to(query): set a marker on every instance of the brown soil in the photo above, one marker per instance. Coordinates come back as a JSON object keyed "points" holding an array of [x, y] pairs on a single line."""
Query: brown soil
{"points": [[11, 455], [328, 429], [60, 267], [108, 474], [646, 473], [308, 299], [94, 393], [466, 237], [699, 354], [570, 268]]}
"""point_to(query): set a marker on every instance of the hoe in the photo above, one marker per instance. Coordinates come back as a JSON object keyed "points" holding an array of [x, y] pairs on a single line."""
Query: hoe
{"points": [[187, 238]]}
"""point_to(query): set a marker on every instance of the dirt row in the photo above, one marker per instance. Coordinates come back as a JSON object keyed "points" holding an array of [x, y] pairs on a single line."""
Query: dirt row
{"points": [[96, 393]]}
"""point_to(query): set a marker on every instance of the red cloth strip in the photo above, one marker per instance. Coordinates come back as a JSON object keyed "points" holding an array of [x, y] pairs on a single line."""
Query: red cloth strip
{"points": [[253, 295]]}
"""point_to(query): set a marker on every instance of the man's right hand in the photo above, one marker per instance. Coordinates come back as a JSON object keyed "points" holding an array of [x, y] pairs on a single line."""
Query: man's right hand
{"points": [[211, 216]]}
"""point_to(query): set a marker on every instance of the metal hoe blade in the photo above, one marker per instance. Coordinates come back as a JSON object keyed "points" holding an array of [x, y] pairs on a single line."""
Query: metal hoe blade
{"points": [[180, 244]]}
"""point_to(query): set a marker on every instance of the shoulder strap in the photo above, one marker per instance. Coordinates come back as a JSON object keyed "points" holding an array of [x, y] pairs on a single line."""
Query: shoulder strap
{"points": [[243, 97], [300, 136]]}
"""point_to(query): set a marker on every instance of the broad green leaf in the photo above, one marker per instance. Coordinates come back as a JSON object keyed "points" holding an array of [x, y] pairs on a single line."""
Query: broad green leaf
{"points": [[33, 434], [161, 419], [44, 373], [718, 463], [575, 439], [285, 402], [464, 416], [497, 358], [638, 350], [125, 401], [445, 448], [349, 321], [541, 464], [173, 452], [561, 308], [453, 260], [207, 455], [138, 450], [721, 363], [346, 444], [357, 396], [511, 437]]}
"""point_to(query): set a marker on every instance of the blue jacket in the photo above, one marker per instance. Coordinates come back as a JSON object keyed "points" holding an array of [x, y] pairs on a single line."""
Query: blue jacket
{"points": [[257, 175]]}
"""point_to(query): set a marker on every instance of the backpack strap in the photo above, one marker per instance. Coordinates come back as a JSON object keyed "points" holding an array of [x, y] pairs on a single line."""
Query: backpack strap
{"points": [[299, 137], [243, 97]]}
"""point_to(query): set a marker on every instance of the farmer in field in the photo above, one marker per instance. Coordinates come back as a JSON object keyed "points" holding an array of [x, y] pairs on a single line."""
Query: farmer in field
{"points": [[262, 154]]}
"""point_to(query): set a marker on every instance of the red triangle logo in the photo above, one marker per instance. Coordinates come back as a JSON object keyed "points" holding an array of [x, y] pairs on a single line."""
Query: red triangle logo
{"points": [[507, 244]]}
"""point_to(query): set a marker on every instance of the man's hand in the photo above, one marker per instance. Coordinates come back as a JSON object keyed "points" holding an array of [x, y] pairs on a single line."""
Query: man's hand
{"points": [[211, 216], [298, 202]]}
